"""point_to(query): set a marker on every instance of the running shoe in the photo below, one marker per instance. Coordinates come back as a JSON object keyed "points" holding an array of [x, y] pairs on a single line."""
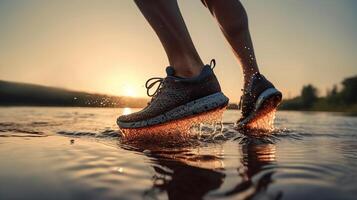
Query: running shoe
{"points": [[259, 98], [176, 98]]}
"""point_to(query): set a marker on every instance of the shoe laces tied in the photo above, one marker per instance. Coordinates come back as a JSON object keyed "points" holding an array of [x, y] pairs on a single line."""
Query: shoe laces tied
{"points": [[150, 83]]}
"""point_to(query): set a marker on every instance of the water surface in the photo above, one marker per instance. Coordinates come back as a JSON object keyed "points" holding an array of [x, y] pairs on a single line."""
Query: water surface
{"points": [[77, 153]]}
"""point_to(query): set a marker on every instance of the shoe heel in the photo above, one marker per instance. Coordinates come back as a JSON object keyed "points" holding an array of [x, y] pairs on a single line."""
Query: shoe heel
{"points": [[265, 115], [267, 96]]}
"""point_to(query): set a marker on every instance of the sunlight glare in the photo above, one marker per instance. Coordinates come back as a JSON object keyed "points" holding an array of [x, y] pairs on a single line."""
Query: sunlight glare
{"points": [[129, 91], [127, 111]]}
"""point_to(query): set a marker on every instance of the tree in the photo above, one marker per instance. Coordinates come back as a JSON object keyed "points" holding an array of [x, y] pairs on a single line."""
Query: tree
{"points": [[308, 95], [333, 92], [333, 96], [349, 90]]}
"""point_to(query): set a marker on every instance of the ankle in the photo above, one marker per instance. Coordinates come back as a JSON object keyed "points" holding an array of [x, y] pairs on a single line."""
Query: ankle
{"points": [[187, 72], [187, 68]]}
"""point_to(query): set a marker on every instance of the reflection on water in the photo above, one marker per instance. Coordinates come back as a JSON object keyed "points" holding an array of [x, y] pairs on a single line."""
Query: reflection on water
{"points": [[183, 174], [256, 159], [78, 153], [127, 111], [181, 177]]}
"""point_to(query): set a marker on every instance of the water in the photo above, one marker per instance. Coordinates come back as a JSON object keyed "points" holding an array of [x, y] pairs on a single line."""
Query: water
{"points": [[77, 153]]}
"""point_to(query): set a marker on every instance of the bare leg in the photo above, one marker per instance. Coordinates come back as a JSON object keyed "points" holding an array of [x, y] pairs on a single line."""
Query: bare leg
{"points": [[165, 18], [233, 22]]}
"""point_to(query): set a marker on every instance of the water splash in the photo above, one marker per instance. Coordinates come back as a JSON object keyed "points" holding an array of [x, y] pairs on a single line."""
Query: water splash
{"points": [[264, 123], [174, 132]]}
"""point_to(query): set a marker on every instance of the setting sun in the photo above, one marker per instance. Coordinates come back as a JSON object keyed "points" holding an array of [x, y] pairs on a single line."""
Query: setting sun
{"points": [[129, 91]]}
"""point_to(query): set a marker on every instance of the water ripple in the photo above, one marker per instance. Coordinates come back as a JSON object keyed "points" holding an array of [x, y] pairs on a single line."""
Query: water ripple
{"points": [[81, 153]]}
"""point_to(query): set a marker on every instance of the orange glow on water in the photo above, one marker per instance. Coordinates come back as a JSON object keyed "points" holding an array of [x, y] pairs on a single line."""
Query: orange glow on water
{"points": [[127, 111]]}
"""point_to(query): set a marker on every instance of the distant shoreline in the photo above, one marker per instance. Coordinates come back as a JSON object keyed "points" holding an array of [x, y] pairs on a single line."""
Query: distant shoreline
{"points": [[348, 110], [14, 94], [23, 94]]}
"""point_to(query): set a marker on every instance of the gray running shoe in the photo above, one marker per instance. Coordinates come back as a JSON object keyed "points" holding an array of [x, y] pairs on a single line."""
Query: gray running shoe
{"points": [[176, 98], [259, 98]]}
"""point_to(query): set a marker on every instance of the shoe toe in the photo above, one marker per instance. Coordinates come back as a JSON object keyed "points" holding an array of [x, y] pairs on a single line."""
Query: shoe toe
{"points": [[133, 117], [124, 118]]}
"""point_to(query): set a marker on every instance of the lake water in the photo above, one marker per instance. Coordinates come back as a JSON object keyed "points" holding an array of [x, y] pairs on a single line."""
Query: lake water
{"points": [[77, 153]]}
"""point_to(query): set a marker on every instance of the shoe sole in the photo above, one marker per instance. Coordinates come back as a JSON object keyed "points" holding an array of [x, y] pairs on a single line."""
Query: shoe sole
{"points": [[176, 132], [266, 102], [198, 106]]}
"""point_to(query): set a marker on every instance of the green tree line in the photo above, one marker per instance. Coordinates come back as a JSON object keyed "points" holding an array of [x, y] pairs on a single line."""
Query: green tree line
{"points": [[341, 100]]}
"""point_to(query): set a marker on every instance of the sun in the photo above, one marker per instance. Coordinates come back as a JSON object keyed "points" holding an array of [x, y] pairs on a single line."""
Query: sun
{"points": [[129, 91]]}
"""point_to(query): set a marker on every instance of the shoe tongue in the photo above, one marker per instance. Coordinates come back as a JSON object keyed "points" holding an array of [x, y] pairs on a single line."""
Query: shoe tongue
{"points": [[170, 71]]}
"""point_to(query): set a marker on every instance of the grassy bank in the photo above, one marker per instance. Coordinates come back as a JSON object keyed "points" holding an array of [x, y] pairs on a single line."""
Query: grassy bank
{"points": [[320, 105]]}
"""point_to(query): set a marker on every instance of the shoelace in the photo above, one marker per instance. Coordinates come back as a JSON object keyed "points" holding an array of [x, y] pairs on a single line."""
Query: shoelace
{"points": [[151, 82]]}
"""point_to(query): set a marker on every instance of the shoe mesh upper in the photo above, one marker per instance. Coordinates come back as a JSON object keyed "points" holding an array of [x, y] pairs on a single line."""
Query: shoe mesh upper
{"points": [[173, 93]]}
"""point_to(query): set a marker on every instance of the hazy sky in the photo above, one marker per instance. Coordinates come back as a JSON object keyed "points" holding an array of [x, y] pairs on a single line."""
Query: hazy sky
{"points": [[106, 46]]}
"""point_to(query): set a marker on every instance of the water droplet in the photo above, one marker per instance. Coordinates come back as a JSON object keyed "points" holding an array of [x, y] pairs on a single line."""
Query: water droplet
{"points": [[118, 169]]}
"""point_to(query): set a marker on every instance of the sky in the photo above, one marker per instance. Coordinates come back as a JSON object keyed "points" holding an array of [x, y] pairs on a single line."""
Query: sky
{"points": [[106, 46]]}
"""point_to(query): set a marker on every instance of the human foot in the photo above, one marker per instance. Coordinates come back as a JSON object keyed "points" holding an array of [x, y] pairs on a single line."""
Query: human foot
{"points": [[177, 98], [259, 98]]}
